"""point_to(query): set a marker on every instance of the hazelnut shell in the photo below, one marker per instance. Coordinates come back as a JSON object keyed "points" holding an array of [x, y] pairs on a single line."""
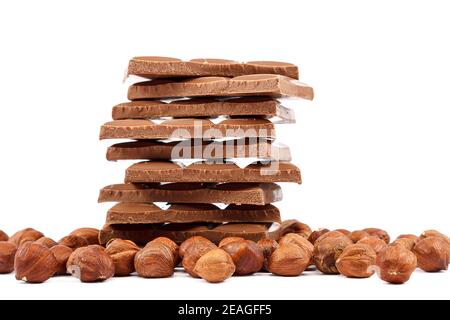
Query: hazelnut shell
{"points": [[90, 264], [7, 253], [34, 263], [215, 266], [247, 256]]}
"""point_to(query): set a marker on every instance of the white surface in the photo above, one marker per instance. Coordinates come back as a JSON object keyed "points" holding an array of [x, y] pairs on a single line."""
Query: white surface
{"points": [[373, 146]]}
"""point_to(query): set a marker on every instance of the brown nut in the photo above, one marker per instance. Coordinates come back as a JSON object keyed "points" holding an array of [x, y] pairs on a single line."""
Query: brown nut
{"points": [[289, 260], [7, 253], [300, 228], [227, 240], [433, 254], [375, 232], [122, 253], [188, 242], [62, 254], [73, 242], [409, 236], [298, 241], [90, 264], [25, 235], [46, 242], [156, 260], [247, 256], [268, 246], [408, 243], [356, 260], [172, 245], [34, 263], [316, 234], [327, 250], [89, 234], [343, 231], [396, 264], [374, 242], [3, 236], [434, 233], [215, 266], [194, 252], [357, 235]]}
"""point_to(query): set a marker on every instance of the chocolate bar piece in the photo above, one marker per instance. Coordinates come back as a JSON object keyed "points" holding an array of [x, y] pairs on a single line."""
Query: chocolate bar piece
{"points": [[146, 213], [164, 67], [203, 107], [237, 193], [250, 85], [198, 149], [187, 129], [179, 232], [160, 171]]}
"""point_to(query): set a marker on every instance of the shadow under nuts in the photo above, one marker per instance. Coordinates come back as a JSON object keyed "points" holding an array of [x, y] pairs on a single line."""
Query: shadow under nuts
{"points": [[355, 261], [289, 260], [25, 235], [62, 254], [193, 252], [89, 234], [122, 252], [3, 236], [34, 263], [7, 253], [90, 264], [247, 256], [215, 266], [156, 260], [396, 264], [432, 254], [268, 246], [327, 250]]}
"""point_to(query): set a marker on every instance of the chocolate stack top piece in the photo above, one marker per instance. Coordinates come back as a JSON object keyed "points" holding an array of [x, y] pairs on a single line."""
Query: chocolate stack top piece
{"points": [[203, 135]]}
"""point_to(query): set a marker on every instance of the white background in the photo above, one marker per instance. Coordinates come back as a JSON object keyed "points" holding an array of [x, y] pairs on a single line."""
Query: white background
{"points": [[373, 146]]}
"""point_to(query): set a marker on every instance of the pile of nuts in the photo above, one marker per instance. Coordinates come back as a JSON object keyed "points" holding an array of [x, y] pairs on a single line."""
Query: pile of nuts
{"points": [[359, 254]]}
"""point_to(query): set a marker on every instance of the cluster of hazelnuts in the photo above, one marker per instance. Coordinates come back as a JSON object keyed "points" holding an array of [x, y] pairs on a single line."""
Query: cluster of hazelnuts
{"points": [[357, 254]]}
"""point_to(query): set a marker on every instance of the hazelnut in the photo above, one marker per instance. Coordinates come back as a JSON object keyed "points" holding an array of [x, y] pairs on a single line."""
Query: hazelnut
{"points": [[73, 242], [300, 228], [62, 254], [188, 242], [156, 260], [247, 256], [355, 260], [194, 251], [34, 263], [298, 241], [396, 264], [3, 236], [268, 246], [172, 245], [408, 243], [89, 234], [383, 235], [289, 260], [327, 250], [374, 242], [122, 253], [343, 231], [90, 264], [434, 233], [409, 236], [215, 266], [7, 253], [46, 242], [433, 254], [227, 240], [25, 235], [357, 235], [316, 234]]}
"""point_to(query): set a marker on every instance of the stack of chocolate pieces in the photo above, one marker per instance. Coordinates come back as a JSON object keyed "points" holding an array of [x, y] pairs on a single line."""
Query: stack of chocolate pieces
{"points": [[204, 133]]}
